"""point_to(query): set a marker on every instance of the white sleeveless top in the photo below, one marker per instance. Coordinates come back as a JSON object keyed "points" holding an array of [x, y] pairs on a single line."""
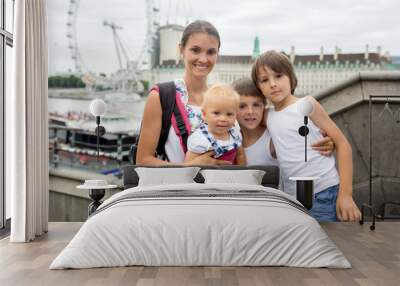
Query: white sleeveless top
{"points": [[289, 145], [259, 152], [173, 147]]}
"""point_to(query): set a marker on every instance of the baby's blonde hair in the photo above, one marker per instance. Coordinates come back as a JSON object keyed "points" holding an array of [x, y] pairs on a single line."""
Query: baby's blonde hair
{"points": [[221, 90]]}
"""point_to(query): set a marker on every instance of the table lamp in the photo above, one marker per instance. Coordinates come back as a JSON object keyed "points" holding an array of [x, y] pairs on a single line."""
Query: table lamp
{"points": [[98, 108], [305, 108], [305, 185]]}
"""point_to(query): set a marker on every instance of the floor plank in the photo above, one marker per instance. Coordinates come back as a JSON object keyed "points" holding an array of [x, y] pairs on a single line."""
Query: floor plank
{"points": [[374, 255]]}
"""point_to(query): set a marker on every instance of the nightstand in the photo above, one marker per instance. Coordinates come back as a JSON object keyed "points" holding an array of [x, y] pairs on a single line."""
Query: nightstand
{"points": [[97, 189]]}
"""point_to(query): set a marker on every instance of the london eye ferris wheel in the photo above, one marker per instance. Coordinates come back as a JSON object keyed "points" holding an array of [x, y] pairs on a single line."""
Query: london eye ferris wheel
{"points": [[129, 73]]}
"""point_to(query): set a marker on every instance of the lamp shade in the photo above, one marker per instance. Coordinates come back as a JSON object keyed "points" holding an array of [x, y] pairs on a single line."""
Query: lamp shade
{"points": [[98, 107], [305, 107]]}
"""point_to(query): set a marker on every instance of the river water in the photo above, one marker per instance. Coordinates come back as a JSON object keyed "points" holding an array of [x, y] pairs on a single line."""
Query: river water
{"points": [[122, 115]]}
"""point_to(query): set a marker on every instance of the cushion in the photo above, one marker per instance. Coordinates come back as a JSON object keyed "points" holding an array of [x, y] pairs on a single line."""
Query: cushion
{"points": [[270, 179], [249, 177], [165, 176]]}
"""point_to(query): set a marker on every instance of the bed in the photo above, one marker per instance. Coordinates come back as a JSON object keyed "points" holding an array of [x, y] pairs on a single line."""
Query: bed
{"points": [[201, 224]]}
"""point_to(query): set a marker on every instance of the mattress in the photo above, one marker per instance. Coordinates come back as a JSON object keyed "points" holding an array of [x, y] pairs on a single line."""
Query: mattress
{"points": [[201, 225]]}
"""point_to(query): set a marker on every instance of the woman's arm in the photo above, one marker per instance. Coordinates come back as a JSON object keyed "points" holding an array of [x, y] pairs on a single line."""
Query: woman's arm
{"points": [[206, 158], [190, 156], [325, 146], [241, 157], [346, 208], [150, 132]]}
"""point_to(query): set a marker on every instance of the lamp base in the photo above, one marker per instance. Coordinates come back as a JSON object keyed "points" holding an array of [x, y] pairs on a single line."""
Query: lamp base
{"points": [[96, 195], [305, 190], [305, 193]]}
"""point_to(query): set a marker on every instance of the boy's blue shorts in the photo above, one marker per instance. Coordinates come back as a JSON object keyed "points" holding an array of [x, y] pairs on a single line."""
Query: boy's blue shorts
{"points": [[324, 204]]}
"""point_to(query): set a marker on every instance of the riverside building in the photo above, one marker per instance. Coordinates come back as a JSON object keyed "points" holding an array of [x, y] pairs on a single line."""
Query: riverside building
{"points": [[314, 72]]}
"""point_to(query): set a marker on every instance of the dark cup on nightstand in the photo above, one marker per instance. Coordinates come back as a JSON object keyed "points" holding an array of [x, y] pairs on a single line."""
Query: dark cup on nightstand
{"points": [[304, 190]]}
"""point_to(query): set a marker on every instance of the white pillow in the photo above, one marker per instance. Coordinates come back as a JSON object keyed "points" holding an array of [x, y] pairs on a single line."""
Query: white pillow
{"points": [[249, 177], [166, 176]]}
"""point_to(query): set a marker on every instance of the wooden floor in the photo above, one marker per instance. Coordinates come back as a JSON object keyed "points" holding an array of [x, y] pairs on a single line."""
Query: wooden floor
{"points": [[374, 255]]}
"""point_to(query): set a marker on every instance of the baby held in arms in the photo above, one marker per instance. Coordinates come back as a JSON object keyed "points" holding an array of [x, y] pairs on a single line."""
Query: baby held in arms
{"points": [[218, 132]]}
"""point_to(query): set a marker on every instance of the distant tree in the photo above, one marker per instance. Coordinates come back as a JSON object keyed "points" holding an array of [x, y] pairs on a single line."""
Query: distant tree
{"points": [[102, 88], [81, 84], [70, 81], [60, 81], [51, 81], [145, 84]]}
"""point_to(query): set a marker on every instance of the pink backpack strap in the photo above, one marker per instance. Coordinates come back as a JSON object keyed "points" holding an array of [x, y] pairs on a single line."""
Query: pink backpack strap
{"points": [[182, 110], [185, 118], [155, 88]]}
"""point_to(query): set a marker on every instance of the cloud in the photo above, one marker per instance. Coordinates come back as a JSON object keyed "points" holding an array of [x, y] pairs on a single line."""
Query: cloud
{"points": [[307, 25]]}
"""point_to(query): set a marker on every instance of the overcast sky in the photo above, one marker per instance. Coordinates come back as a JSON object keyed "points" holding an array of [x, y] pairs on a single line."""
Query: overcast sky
{"points": [[280, 24]]}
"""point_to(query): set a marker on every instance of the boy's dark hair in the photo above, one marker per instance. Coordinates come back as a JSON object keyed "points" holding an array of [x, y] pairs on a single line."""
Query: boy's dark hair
{"points": [[279, 63], [199, 26], [246, 87]]}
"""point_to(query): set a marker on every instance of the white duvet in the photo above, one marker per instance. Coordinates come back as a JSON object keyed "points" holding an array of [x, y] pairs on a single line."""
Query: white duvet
{"points": [[183, 230]]}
